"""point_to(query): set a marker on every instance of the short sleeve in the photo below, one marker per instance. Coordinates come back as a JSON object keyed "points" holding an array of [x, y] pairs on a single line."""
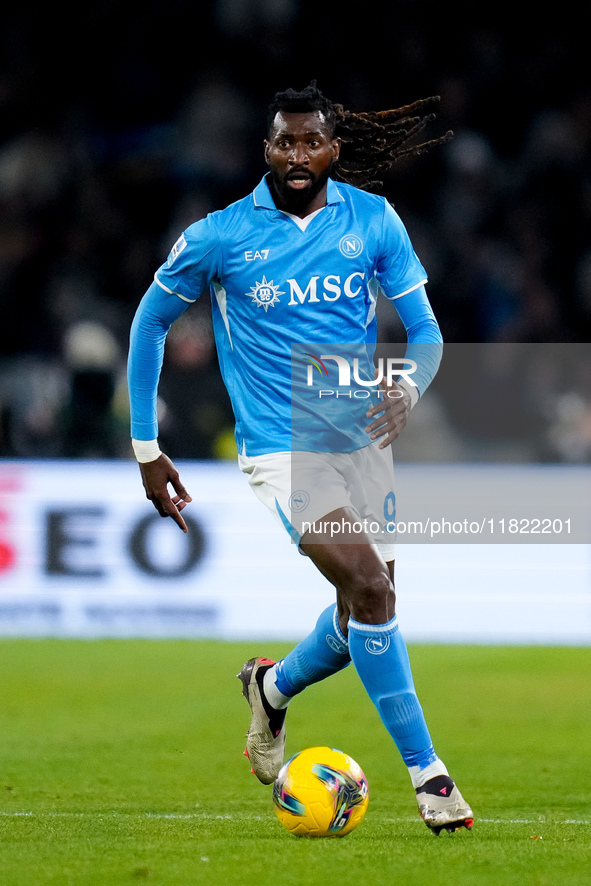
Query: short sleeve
{"points": [[193, 262], [398, 269]]}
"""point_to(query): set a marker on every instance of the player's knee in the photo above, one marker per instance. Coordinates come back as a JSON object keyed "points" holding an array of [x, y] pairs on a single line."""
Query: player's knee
{"points": [[373, 600]]}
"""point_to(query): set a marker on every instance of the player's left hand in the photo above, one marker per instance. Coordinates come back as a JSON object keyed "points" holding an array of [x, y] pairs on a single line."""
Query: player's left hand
{"points": [[390, 414]]}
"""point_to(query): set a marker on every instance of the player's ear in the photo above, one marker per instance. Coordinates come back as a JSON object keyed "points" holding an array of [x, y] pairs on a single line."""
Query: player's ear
{"points": [[267, 146], [336, 146]]}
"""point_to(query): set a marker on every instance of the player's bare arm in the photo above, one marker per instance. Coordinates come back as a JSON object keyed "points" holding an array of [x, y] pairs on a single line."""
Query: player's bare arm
{"points": [[156, 475]]}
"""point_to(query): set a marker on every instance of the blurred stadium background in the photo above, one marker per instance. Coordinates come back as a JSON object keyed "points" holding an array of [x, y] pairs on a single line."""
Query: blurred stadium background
{"points": [[122, 123]]}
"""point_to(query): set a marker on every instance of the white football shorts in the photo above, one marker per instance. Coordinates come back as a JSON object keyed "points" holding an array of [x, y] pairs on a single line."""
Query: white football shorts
{"points": [[302, 488]]}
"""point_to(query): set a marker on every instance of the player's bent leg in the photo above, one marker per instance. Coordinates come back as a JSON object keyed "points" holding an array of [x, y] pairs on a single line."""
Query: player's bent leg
{"points": [[268, 687], [376, 646], [381, 659]]}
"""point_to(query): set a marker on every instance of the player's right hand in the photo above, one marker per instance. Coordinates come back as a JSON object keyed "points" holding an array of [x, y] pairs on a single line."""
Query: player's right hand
{"points": [[156, 475]]}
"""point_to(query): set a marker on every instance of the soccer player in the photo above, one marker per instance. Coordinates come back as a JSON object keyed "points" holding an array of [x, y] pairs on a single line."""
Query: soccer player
{"points": [[301, 260]]}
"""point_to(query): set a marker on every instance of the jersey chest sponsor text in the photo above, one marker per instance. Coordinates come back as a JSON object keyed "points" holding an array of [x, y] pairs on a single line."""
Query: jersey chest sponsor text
{"points": [[313, 290]]}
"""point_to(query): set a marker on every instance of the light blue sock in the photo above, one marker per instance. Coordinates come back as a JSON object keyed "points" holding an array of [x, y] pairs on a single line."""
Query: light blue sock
{"points": [[380, 657], [322, 653]]}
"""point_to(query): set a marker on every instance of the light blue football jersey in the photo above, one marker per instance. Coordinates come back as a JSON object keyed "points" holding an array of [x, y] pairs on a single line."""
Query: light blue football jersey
{"points": [[274, 285]]}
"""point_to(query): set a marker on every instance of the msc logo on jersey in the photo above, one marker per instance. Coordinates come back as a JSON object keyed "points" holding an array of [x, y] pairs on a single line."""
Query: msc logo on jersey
{"points": [[351, 245], [330, 289], [265, 294]]}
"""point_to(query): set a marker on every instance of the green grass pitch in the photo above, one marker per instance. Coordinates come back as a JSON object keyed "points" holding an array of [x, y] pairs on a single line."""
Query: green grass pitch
{"points": [[121, 762]]}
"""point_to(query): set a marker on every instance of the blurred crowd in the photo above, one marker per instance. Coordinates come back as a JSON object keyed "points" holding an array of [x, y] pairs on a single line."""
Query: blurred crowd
{"points": [[136, 120]]}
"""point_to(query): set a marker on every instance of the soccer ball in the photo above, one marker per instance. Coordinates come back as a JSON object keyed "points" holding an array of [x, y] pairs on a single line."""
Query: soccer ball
{"points": [[320, 792]]}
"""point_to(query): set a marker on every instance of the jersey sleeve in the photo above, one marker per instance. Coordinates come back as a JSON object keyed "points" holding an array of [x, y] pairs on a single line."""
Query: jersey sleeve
{"points": [[425, 342], [416, 313], [398, 270], [155, 315], [193, 262]]}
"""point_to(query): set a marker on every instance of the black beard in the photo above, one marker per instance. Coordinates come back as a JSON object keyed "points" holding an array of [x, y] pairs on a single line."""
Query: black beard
{"points": [[295, 201]]}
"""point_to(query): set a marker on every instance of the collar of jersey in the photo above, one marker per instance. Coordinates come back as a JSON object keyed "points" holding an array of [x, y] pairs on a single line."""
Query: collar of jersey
{"points": [[264, 200]]}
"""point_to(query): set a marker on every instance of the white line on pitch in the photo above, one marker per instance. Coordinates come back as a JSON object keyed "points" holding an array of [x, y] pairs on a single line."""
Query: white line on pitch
{"points": [[229, 817]]}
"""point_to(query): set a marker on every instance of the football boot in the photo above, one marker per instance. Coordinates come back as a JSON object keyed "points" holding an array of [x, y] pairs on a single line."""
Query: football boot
{"points": [[265, 739], [442, 806]]}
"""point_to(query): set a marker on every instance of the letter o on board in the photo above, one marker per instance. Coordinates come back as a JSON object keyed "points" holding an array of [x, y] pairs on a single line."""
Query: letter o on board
{"points": [[139, 548]]}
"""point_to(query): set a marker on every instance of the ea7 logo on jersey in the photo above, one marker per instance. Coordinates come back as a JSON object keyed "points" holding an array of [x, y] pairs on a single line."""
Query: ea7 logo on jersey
{"points": [[254, 254], [265, 294]]}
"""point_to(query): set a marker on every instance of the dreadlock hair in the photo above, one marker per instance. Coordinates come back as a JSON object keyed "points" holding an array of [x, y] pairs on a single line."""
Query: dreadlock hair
{"points": [[372, 141]]}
